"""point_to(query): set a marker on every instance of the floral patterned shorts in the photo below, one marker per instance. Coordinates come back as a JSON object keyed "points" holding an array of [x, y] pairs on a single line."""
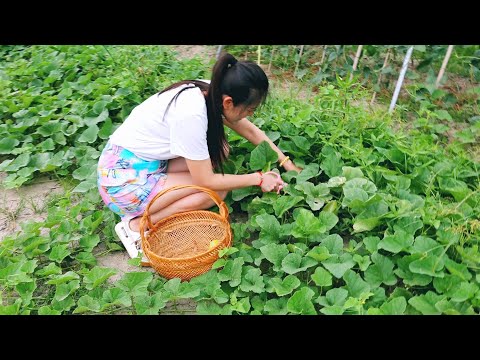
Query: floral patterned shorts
{"points": [[126, 182]]}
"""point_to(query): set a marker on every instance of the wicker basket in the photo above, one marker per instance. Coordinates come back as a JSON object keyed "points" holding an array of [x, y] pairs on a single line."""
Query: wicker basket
{"points": [[186, 244]]}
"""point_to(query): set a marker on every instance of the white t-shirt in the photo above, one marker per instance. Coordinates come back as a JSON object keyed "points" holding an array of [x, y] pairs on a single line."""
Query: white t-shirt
{"points": [[182, 132]]}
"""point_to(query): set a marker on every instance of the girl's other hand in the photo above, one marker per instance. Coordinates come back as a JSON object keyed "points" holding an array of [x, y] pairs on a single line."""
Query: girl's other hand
{"points": [[271, 182]]}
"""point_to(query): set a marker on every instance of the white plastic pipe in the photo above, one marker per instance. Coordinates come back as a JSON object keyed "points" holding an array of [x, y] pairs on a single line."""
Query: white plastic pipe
{"points": [[355, 62], [444, 65], [400, 78]]}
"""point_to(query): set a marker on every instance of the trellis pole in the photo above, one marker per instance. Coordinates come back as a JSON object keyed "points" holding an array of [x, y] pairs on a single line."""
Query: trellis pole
{"points": [[444, 65], [380, 75], [355, 62], [323, 54], [299, 57], [259, 51], [219, 50], [271, 58], [400, 78]]}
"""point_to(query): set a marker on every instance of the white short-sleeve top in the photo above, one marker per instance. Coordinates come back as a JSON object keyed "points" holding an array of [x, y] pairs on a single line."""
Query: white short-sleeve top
{"points": [[182, 132]]}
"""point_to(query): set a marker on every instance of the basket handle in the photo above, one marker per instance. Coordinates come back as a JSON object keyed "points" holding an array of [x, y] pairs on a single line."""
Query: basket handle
{"points": [[218, 201]]}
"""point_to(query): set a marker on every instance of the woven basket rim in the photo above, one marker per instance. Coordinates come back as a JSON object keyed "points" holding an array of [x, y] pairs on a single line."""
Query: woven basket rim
{"points": [[226, 241]]}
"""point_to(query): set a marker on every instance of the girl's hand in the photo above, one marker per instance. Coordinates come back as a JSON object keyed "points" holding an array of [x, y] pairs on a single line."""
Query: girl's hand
{"points": [[289, 165], [271, 182]]}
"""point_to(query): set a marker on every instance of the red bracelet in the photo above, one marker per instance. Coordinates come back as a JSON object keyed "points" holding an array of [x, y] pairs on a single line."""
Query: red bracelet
{"points": [[261, 180]]}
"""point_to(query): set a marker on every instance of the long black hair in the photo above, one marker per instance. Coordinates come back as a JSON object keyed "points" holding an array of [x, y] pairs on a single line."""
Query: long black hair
{"points": [[244, 81]]}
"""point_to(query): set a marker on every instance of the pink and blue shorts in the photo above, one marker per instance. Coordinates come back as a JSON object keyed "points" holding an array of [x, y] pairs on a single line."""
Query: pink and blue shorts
{"points": [[126, 182]]}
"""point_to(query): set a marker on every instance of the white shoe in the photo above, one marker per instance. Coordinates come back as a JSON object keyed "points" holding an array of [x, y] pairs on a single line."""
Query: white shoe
{"points": [[131, 240]]}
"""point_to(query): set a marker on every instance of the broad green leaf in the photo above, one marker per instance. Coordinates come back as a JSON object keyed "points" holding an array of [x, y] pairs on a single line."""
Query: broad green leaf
{"points": [[443, 114], [332, 164], [149, 304], [135, 283], [333, 243], [220, 296], [294, 263], [362, 261], [381, 271], [430, 265], [106, 130], [400, 241], [457, 188], [252, 281], [62, 291], [463, 292], [307, 225], [88, 242], [117, 296], [59, 252], [46, 145], [446, 284], [177, 290], [64, 305], [351, 172], [359, 190], [87, 258], [42, 162], [319, 253], [338, 265], [452, 308], [426, 303], [47, 310], [61, 279], [408, 224], [425, 245], [90, 135], [50, 269], [276, 306], [7, 145], [211, 308], [321, 277], [85, 186], [308, 172], [13, 309], [97, 276], [328, 220], [49, 128], [301, 302], [275, 254], [355, 285], [285, 286], [262, 155], [87, 303], [240, 194], [92, 121], [25, 290], [285, 203], [84, 172], [242, 306], [457, 269], [335, 296], [17, 163], [270, 227], [332, 310], [395, 306], [232, 272], [408, 277]]}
